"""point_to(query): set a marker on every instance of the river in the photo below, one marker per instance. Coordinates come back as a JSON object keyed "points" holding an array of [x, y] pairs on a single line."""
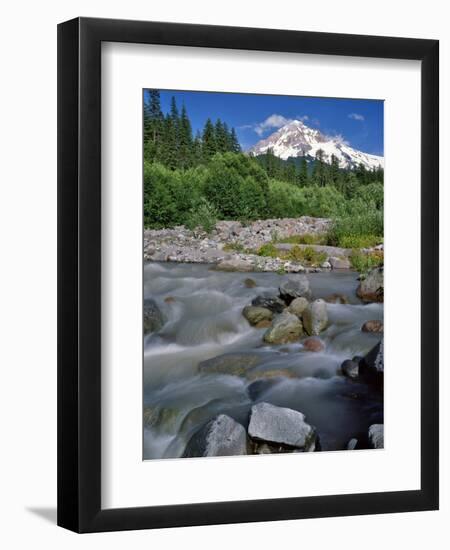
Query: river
{"points": [[203, 312]]}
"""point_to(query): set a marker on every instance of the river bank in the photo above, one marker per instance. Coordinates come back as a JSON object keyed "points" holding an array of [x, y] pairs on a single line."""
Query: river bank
{"points": [[232, 246]]}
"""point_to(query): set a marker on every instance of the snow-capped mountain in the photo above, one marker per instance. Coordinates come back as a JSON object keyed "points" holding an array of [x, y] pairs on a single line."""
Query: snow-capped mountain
{"points": [[296, 139]]}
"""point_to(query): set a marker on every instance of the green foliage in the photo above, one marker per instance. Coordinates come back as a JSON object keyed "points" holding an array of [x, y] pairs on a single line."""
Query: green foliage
{"points": [[306, 238], [202, 215], [360, 241], [358, 226], [268, 249], [363, 263], [236, 186]]}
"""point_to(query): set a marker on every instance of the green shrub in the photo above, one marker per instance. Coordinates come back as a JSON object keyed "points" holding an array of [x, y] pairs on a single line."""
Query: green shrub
{"points": [[307, 238], [203, 215], [356, 226], [268, 250], [360, 241], [362, 262], [236, 186], [306, 255]]}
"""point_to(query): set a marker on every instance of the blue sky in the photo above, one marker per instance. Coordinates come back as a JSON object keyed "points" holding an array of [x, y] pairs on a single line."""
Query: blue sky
{"points": [[358, 121]]}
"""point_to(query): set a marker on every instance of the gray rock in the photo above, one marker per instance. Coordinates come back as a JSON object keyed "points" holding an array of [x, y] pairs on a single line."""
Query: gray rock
{"points": [[295, 287], [269, 302], [153, 318], [376, 436], [351, 445], [371, 367], [257, 315], [350, 369], [221, 436], [283, 426], [339, 263], [235, 264], [236, 364], [371, 288], [298, 306], [315, 317], [285, 328]]}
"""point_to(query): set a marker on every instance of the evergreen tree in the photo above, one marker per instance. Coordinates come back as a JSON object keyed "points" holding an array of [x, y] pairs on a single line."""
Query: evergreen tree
{"points": [[197, 156], [169, 154], [290, 171], [234, 142], [209, 147], [185, 142], [334, 170], [302, 175], [319, 171], [221, 137], [153, 124]]}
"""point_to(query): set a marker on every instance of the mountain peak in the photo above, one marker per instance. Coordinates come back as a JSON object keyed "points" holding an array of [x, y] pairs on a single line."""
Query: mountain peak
{"points": [[296, 139]]}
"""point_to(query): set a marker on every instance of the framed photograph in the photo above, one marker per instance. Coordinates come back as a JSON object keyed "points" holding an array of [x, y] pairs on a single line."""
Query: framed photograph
{"points": [[248, 231]]}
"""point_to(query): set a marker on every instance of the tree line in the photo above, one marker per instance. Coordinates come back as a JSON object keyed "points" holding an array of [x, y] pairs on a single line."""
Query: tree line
{"points": [[169, 140], [316, 171]]}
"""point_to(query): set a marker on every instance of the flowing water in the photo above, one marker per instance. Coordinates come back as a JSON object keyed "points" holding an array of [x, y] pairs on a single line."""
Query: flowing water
{"points": [[203, 313]]}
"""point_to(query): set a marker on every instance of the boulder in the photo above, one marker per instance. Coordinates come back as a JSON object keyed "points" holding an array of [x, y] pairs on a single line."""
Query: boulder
{"points": [[371, 288], [285, 328], [313, 344], [315, 317], [295, 287], [280, 427], [298, 306], [221, 436], [371, 367], [269, 302], [153, 318], [376, 436], [339, 263], [235, 264], [250, 283], [372, 326], [236, 364], [255, 315], [350, 369]]}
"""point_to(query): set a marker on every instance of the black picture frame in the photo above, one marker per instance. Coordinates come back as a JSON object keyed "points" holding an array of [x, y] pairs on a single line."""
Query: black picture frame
{"points": [[79, 274]]}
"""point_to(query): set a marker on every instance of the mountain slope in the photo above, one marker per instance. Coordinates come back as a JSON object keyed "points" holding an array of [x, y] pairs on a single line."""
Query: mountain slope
{"points": [[296, 139]]}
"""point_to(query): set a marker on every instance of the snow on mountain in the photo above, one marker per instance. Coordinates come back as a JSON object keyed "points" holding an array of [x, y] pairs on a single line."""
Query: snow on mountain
{"points": [[296, 139]]}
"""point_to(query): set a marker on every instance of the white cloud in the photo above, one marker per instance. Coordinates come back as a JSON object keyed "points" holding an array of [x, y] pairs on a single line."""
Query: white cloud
{"points": [[356, 116], [273, 121]]}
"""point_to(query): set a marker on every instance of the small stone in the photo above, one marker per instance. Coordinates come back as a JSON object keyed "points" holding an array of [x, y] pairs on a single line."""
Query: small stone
{"points": [[325, 265], [372, 326], [313, 344], [169, 299], [298, 306], [295, 287], [221, 436], [339, 263], [255, 314], [270, 302], [279, 425], [350, 369], [376, 436], [285, 328], [351, 445], [152, 316], [371, 288], [315, 317], [249, 283]]}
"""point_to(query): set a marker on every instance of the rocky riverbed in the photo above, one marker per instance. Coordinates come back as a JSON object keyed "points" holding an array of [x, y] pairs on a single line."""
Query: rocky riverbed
{"points": [[232, 246], [261, 362]]}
